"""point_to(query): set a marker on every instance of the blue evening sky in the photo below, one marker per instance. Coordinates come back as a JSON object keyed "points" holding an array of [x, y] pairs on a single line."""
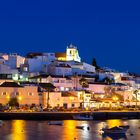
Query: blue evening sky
{"points": [[106, 30]]}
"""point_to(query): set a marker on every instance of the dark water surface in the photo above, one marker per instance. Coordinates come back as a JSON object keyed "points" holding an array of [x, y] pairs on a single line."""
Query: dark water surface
{"points": [[40, 130]]}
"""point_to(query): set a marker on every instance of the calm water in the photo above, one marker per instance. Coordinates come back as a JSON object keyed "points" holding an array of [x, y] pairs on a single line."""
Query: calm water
{"points": [[40, 130]]}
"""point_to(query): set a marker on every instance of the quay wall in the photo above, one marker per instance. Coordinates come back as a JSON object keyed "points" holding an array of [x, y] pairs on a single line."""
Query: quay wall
{"points": [[66, 115]]}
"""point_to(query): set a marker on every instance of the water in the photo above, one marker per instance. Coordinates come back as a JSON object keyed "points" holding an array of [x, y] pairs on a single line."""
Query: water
{"points": [[40, 130]]}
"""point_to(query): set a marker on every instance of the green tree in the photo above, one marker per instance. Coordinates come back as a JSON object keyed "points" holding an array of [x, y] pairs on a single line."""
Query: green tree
{"points": [[84, 83], [13, 102], [136, 96], [94, 63]]}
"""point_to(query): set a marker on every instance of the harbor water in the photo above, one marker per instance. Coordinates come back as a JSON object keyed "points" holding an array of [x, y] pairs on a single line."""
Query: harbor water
{"points": [[40, 130]]}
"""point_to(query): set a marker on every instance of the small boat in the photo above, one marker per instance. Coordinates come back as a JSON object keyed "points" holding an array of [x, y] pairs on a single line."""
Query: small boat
{"points": [[55, 123], [80, 127], [124, 127], [115, 130], [114, 136], [1, 123], [83, 127], [82, 117]]}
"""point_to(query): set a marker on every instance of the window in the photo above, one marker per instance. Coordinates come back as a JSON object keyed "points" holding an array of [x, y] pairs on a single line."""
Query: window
{"points": [[30, 94], [4, 93], [16, 93], [62, 88], [72, 105], [25, 68], [87, 95]]}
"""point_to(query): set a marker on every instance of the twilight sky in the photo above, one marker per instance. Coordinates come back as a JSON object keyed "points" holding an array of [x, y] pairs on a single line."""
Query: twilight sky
{"points": [[106, 30]]}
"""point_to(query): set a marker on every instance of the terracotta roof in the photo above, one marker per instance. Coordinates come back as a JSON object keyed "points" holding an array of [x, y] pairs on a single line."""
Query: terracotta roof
{"points": [[10, 84]]}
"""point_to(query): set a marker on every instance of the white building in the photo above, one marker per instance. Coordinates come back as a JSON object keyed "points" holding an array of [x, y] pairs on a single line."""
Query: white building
{"points": [[14, 61], [39, 61], [72, 54]]}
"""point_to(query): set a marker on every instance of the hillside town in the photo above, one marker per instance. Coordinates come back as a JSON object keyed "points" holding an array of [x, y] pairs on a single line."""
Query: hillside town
{"points": [[62, 81]]}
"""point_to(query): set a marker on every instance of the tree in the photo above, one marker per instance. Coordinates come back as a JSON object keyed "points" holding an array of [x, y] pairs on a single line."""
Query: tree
{"points": [[47, 87], [13, 102], [94, 63], [84, 83], [136, 94]]}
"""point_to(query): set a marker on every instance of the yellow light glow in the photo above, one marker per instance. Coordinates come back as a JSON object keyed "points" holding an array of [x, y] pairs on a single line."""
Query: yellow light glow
{"points": [[20, 98], [113, 123], [8, 97], [71, 98], [69, 132], [18, 132], [115, 98]]}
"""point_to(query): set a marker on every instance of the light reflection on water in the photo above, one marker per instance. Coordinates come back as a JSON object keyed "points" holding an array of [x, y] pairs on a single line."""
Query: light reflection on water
{"points": [[18, 130], [40, 130]]}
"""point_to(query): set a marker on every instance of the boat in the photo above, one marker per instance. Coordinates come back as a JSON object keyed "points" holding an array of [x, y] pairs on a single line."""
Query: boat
{"points": [[82, 117], [80, 127], [124, 126], [55, 123], [83, 127], [1, 123], [114, 136], [115, 130]]}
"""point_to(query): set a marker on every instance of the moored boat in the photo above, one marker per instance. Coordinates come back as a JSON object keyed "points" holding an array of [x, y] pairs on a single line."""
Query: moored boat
{"points": [[83, 117], [55, 123], [115, 130]]}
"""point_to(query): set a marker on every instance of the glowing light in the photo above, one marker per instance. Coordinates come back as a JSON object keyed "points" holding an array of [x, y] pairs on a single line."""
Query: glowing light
{"points": [[20, 98], [115, 98], [71, 98], [69, 132], [113, 123], [18, 127], [8, 97]]}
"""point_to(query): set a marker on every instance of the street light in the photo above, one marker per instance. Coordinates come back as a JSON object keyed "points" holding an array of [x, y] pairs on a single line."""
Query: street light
{"points": [[115, 98]]}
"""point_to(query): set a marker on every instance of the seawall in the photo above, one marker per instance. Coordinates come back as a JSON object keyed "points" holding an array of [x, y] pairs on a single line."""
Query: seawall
{"points": [[66, 115]]}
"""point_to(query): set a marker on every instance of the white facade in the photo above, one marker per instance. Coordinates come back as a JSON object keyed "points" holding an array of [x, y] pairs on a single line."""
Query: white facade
{"points": [[72, 54], [57, 68], [88, 67], [14, 61], [40, 63]]}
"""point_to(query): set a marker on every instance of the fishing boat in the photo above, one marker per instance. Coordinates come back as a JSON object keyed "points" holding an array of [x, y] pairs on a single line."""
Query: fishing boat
{"points": [[80, 127], [55, 123], [83, 127], [115, 130], [114, 136], [83, 117]]}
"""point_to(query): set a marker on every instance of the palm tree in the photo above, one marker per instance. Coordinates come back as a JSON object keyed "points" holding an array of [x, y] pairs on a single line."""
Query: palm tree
{"points": [[136, 94], [84, 83], [47, 87]]}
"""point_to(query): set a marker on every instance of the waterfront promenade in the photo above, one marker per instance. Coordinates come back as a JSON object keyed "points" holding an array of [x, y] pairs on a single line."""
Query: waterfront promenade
{"points": [[98, 115]]}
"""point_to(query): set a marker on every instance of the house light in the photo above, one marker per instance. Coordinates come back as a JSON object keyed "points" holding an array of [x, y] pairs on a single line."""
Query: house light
{"points": [[20, 98]]}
